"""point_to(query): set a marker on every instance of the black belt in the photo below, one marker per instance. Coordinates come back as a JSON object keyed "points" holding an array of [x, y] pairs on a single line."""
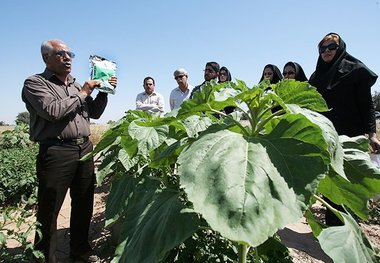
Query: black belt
{"points": [[77, 141]]}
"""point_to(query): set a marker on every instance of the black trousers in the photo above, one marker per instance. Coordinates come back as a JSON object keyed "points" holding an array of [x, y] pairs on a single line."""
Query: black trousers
{"points": [[58, 169]]}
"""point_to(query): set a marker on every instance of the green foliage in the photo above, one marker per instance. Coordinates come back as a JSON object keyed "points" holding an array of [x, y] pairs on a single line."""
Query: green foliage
{"points": [[191, 171], [15, 225], [16, 138], [18, 175], [17, 168], [18, 194], [23, 118], [335, 242], [376, 100]]}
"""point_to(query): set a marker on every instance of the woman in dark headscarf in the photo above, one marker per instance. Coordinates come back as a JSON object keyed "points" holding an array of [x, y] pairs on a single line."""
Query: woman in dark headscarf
{"points": [[272, 73], [345, 83], [224, 75], [293, 70]]}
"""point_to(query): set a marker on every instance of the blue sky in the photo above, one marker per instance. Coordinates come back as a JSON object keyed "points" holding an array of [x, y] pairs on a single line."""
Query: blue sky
{"points": [[153, 38]]}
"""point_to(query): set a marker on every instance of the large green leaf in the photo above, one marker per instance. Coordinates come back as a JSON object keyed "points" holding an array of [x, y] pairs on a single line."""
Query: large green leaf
{"points": [[204, 100], [196, 124], [121, 189], [329, 134], [127, 161], [153, 227], [237, 184], [301, 94], [107, 166], [298, 150], [167, 155], [362, 183], [149, 138], [347, 243], [110, 137]]}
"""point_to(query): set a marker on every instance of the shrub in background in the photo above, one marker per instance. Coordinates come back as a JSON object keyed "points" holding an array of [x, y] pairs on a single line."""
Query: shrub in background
{"points": [[16, 138], [18, 175], [17, 169], [18, 192]]}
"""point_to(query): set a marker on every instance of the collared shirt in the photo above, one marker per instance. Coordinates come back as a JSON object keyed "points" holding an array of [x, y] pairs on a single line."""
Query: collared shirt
{"points": [[57, 110], [151, 103], [196, 88], [177, 96]]}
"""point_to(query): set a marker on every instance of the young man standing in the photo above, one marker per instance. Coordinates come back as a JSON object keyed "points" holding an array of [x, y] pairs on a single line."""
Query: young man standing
{"points": [[211, 71], [150, 100]]}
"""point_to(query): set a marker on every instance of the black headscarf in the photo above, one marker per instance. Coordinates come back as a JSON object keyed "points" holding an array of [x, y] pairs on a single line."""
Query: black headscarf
{"points": [[345, 83], [328, 75], [300, 74], [277, 76], [229, 78]]}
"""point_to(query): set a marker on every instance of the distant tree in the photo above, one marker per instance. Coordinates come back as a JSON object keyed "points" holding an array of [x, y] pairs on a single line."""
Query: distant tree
{"points": [[376, 100], [2, 123], [23, 117], [111, 122]]}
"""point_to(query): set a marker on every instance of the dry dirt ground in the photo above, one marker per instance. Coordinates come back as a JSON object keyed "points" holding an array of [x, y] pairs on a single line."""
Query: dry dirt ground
{"points": [[304, 248]]}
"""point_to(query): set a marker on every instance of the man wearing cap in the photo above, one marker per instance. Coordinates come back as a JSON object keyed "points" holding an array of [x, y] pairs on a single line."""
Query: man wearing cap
{"points": [[182, 92], [211, 72]]}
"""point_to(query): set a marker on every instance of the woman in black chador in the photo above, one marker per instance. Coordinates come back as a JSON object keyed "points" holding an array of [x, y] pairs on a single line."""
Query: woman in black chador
{"points": [[293, 70], [345, 83], [224, 76], [271, 72]]}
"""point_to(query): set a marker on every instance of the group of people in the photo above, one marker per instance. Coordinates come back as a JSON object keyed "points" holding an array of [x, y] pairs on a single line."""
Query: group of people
{"points": [[292, 70], [60, 111], [152, 101]]}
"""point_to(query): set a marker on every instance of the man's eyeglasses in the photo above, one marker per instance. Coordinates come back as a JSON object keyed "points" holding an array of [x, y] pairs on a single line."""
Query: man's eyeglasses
{"points": [[209, 70], [63, 53], [332, 46], [285, 73], [179, 77]]}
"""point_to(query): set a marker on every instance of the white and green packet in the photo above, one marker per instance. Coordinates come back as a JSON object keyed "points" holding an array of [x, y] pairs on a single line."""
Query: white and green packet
{"points": [[102, 69]]}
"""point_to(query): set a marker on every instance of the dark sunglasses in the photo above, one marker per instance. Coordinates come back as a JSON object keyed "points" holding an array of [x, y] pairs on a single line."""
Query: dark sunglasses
{"points": [[288, 73], [332, 46], [63, 53], [179, 76], [209, 70]]}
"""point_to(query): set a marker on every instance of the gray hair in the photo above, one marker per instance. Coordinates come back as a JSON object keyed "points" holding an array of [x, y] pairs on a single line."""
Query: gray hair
{"points": [[180, 71], [47, 47]]}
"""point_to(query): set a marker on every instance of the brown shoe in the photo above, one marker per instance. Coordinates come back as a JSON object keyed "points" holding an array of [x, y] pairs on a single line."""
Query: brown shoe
{"points": [[86, 257]]}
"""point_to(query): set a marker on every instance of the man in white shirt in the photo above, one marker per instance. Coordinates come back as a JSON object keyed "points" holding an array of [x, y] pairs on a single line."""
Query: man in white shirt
{"points": [[150, 100], [182, 92]]}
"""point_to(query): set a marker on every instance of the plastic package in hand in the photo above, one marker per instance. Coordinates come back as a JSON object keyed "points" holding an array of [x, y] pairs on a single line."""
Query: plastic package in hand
{"points": [[103, 69]]}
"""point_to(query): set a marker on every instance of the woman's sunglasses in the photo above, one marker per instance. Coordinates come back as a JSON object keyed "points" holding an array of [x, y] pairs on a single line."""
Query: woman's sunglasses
{"points": [[332, 46]]}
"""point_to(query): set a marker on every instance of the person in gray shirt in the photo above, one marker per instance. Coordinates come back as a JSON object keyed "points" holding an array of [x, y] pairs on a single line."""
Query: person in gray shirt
{"points": [[60, 111]]}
